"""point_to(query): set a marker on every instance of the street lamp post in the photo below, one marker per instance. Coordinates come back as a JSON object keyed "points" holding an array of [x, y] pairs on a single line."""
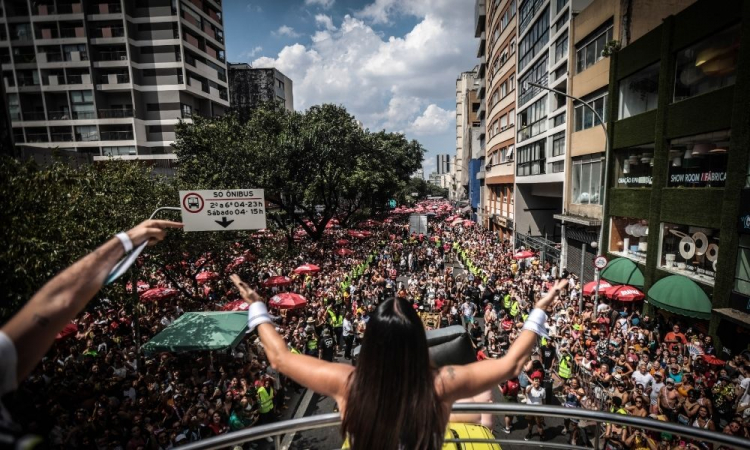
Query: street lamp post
{"points": [[606, 178]]}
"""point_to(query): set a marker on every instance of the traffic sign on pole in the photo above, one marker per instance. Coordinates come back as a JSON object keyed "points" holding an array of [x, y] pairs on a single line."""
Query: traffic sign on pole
{"points": [[223, 210]]}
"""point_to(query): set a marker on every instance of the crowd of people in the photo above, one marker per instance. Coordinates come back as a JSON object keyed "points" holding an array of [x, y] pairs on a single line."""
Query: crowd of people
{"points": [[95, 390]]}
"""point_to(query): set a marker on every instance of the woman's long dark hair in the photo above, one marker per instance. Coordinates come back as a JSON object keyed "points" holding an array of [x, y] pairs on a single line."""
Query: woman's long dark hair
{"points": [[392, 401]]}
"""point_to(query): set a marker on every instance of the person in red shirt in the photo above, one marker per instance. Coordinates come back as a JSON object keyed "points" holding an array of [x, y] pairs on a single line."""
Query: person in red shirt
{"points": [[509, 389], [675, 339]]}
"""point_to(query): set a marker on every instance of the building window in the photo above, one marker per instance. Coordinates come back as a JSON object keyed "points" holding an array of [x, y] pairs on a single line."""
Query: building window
{"points": [[587, 179], [558, 120], [86, 133], [708, 65], [628, 238], [635, 166], [561, 47], [532, 120], [584, 117], [560, 4], [589, 51], [558, 144], [526, 13], [742, 274], [187, 110], [690, 251], [538, 75], [531, 159], [699, 161], [534, 41], [639, 92], [558, 167], [561, 71], [82, 103]]}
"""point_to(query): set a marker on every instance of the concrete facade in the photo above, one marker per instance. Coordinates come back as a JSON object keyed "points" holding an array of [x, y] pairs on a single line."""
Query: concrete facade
{"points": [[501, 44], [249, 87], [111, 79], [467, 107]]}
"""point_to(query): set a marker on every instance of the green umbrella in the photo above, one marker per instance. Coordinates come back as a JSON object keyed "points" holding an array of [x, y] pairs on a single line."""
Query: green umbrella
{"points": [[200, 331], [680, 295], [623, 271]]}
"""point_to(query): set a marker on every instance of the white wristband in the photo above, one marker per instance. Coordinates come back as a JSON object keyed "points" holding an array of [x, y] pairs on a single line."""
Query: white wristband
{"points": [[535, 322], [257, 314], [125, 240]]}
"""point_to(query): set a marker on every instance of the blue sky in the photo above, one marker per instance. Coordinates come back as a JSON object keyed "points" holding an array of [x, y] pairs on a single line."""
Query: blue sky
{"points": [[392, 63]]}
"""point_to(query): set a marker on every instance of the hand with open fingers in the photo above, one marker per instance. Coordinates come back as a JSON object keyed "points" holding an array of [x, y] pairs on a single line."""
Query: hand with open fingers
{"points": [[249, 295], [150, 230]]}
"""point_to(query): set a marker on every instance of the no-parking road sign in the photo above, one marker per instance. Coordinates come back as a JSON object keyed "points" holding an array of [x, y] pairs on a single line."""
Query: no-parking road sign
{"points": [[223, 210]]}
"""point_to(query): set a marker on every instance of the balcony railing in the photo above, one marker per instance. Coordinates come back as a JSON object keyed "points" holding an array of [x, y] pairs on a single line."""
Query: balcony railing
{"points": [[24, 58], [115, 113], [27, 82], [47, 33], [58, 115], [62, 137], [71, 32], [119, 78], [112, 56], [71, 8], [82, 56], [117, 135], [82, 115], [108, 32], [596, 418], [107, 8], [37, 137], [87, 137]]}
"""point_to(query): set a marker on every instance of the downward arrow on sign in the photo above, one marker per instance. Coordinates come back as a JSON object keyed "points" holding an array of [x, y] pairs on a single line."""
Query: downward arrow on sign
{"points": [[224, 222]]}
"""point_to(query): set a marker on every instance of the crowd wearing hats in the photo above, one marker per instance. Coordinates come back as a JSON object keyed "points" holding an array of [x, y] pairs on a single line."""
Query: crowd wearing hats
{"points": [[95, 390]]}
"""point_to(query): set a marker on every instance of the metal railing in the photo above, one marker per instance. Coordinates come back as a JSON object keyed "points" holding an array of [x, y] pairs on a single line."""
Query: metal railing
{"points": [[112, 56], [34, 116], [597, 418], [548, 249], [115, 113], [116, 135]]}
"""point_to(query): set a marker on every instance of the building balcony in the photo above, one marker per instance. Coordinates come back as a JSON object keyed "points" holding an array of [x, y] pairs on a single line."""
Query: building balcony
{"points": [[41, 11], [74, 32], [480, 16], [107, 8], [482, 44], [62, 137], [114, 78], [34, 116], [58, 115], [37, 137], [121, 113], [83, 115], [116, 135], [112, 56]]}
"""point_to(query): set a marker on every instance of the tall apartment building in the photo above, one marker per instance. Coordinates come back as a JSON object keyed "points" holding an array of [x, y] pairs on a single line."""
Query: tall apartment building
{"points": [[500, 49], [110, 78], [249, 87], [590, 33], [443, 164], [542, 57], [467, 130]]}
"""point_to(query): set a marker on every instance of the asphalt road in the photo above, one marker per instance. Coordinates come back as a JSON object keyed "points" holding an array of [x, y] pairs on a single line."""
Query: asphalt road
{"points": [[306, 403]]}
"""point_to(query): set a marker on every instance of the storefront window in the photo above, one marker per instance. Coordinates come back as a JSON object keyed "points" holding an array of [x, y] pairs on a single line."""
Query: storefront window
{"points": [[635, 166], [587, 179], [699, 161], [742, 276], [627, 238], [708, 65], [690, 251], [639, 92]]}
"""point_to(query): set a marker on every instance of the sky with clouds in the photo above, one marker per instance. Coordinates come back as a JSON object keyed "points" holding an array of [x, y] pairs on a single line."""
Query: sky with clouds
{"points": [[392, 63]]}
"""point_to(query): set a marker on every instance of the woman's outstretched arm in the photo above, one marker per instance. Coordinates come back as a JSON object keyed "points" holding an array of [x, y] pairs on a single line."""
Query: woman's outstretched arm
{"points": [[456, 382], [321, 376]]}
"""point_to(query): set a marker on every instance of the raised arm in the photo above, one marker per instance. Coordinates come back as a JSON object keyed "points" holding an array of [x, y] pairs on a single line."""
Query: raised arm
{"points": [[33, 329], [321, 376], [455, 382]]}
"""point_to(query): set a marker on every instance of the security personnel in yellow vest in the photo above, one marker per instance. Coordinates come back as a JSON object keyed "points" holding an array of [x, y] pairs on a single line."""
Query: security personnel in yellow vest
{"points": [[565, 368], [337, 322], [506, 303], [312, 345], [515, 308], [265, 397]]}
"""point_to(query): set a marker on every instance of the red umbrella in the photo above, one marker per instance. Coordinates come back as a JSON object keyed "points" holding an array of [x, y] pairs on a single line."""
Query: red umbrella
{"points": [[158, 294], [344, 252], [277, 281], [237, 305], [205, 277], [307, 268], [523, 255], [457, 222], [288, 300], [624, 293], [712, 360], [142, 286], [468, 223], [451, 218], [588, 288], [365, 233], [69, 330], [342, 242]]}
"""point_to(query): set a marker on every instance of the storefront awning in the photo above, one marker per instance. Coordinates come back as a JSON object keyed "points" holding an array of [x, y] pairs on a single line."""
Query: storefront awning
{"points": [[499, 179], [580, 220], [200, 331], [680, 295], [623, 271], [733, 315]]}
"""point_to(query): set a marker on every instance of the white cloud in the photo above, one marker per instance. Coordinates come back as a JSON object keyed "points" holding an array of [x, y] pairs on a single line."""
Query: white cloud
{"points": [[434, 119], [324, 21], [253, 8], [325, 4], [400, 83], [251, 53], [285, 30]]}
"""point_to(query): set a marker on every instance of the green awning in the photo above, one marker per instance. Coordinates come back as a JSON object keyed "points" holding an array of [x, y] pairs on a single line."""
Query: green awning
{"points": [[199, 331], [680, 295], [623, 271]]}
